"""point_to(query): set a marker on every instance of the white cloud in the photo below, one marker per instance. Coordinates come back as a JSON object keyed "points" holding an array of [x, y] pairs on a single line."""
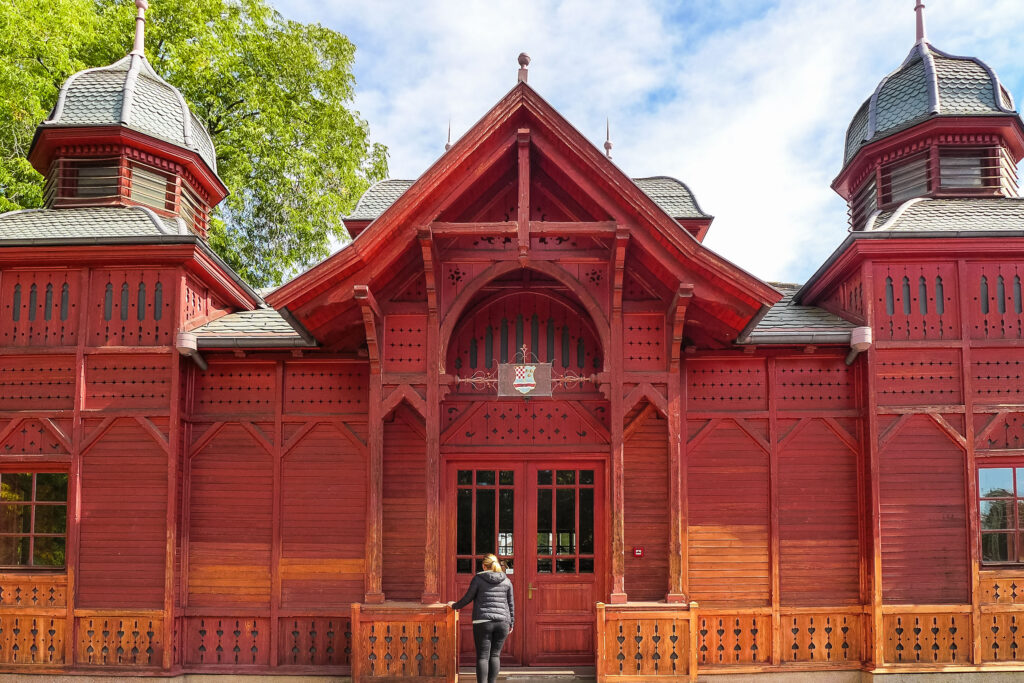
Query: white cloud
{"points": [[745, 100]]}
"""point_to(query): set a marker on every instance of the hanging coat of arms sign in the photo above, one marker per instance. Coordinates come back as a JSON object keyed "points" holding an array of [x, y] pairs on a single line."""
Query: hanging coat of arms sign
{"points": [[524, 379]]}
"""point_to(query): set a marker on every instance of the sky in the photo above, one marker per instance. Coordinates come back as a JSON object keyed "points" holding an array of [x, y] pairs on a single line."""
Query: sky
{"points": [[747, 101]]}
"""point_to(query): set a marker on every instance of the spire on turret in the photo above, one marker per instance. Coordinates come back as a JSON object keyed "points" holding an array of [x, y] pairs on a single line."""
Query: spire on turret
{"points": [[140, 27], [448, 145], [524, 62], [921, 34], [607, 138]]}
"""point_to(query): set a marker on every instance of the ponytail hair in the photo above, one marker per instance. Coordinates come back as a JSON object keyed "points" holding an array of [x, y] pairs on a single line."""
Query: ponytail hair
{"points": [[492, 563]]}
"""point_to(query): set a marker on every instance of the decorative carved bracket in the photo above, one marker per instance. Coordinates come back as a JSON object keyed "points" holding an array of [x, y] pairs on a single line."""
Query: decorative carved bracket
{"points": [[373, 321]]}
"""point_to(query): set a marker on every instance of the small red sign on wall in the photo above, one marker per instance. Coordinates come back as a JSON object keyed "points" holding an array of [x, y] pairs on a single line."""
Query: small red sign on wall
{"points": [[638, 551]]}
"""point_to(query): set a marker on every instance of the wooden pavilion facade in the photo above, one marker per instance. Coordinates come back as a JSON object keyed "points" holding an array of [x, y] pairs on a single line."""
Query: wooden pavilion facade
{"points": [[727, 476]]}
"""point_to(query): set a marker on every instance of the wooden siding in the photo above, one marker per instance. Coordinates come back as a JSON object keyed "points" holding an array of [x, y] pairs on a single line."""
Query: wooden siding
{"points": [[404, 508], [646, 478]]}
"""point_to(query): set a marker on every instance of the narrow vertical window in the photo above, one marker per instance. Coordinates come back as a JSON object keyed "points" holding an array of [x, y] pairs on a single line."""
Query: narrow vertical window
{"points": [[940, 296], [519, 337], [551, 340], [140, 313], [158, 301], [535, 336], [124, 301], [48, 303], [890, 304], [922, 295], [488, 346], [1001, 295], [581, 353], [1016, 295], [108, 302], [503, 340], [472, 353], [906, 295], [32, 300], [65, 296], [565, 346], [16, 304], [984, 295]]}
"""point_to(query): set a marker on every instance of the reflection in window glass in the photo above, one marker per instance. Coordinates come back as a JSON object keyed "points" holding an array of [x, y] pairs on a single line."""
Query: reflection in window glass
{"points": [[507, 478], [586, 521], [566, 477], [566, 521], [544, 477], [1001, 511], [33, 519], [485, 538], [995, 482], [465, 477], [485, 478]]}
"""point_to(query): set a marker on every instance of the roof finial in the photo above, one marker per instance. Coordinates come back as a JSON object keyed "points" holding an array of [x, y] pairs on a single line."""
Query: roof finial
{"points": [[524, 61], [607, 138], [448, 145], [921, 35], [140, 28]]}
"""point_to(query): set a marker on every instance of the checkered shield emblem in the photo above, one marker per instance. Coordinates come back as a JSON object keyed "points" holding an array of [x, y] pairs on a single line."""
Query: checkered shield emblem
{"points": [[524, 381]]}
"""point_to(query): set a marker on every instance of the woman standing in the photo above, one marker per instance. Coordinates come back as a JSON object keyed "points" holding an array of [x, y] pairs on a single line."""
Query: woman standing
{"points": [[494, 615]]}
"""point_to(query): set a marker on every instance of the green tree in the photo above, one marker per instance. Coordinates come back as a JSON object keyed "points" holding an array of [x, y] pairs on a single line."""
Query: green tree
{"points": [[276, 96]]}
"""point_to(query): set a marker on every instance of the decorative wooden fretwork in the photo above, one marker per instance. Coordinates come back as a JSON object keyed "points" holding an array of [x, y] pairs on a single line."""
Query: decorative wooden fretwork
{"points": [[910, 378], [35, 436], [649, 647], [131, 307], [847, 300], [927, 638], [38, 383], [996, 300], [643, 341], [412, 642], [713, 386], [119, 641], [31, 640], [325, 388], [405, 343], [1002, 637], [1000, 431], [1002, 588], [998, 375], [916, 302], [540, 422], [821, 638], [234, 388], [39, 308], [814, 384], [127, 381], [315, 641], [33, 593], [235, 641], [733, 639], [200, 304]]}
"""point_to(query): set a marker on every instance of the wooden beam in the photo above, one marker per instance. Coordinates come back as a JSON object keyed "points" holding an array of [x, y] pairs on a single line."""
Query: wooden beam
{"points": [[677, 542], [523, 215], [573, 228], [613, 364], [373, 322], [431, 411], [486, 229]]}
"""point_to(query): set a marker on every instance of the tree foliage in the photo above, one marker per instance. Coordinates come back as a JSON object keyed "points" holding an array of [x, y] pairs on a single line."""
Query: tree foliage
{"points": [[276, 96]]}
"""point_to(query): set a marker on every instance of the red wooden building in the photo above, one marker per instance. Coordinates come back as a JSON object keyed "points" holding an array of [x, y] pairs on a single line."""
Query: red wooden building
{"points": [[727, 476]]}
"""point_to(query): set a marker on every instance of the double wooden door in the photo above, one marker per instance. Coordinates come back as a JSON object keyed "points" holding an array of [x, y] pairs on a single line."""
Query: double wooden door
{"points": [[545, 521]]}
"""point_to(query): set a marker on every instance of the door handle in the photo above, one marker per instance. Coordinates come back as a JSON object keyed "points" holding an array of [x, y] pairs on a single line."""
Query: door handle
{"points": [[529, 592]]}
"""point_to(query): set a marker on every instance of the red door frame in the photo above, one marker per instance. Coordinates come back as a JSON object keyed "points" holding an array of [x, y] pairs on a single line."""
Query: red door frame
{"points": [[524, 465]]}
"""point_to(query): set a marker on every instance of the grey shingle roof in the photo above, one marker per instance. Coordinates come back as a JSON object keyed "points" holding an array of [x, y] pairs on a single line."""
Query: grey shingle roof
{"points": [[787, 323], [130, 93], [953, 215], [673, 196], [928, 83], [262, 327], [92, 222]]}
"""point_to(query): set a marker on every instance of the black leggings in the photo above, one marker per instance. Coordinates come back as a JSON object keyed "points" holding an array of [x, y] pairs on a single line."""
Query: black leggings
{"points": [[489, 636]]}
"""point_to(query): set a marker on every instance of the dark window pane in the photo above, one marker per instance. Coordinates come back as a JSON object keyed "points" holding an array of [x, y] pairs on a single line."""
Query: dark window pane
{"points": [[506, 510], [566, 477], [544, 566], [566, 521], [995, 547], [565, 566], [586, 521], [586, 565], [544, 510], [52, 486], [996, 482], [13, 550], [587, 477], [485, 478], [507, 477], [15, 519], [544, 477], [49, 552], [485, 539], [465, 477], [15, 486], [51, 519], [464, 525], [464, 565], [996, 514]]}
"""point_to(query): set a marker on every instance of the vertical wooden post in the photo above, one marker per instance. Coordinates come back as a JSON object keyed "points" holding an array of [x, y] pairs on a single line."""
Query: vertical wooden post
{"points": [[970, 462], [614, 361], [694, 625], [357, 656], [74, 513], [677, 550], [877, 642], [523, 215], [773, 510], [599, 641], [373, 324], [432, 468], [275, 550]]}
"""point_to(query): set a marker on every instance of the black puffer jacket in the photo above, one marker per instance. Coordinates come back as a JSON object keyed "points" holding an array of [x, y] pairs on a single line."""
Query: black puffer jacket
{"points": [[491, 595]]}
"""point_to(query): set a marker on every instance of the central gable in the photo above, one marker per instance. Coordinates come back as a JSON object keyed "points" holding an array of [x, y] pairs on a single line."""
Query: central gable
{"points": [[524, 189]]}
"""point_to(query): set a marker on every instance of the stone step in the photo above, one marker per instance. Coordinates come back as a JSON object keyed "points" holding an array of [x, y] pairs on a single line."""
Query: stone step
{"points": [[534, 674]]}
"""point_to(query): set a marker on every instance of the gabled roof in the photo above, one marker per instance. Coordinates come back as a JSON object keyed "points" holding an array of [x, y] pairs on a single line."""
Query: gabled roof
{"points": [[789, 323], [673, 196]]}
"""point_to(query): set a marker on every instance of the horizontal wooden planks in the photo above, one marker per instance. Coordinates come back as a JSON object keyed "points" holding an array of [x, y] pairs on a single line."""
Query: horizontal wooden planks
{"points": [[405, 510], [646, 509]]}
